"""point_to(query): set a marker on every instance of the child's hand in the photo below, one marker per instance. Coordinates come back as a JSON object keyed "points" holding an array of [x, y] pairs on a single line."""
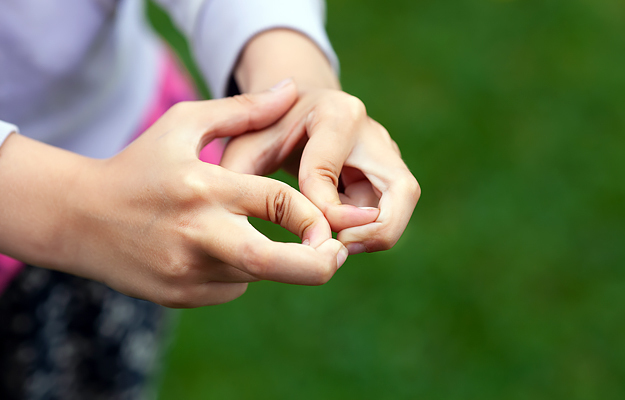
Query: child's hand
{"points": [[340, 144], [348, 159], [157, 223]]}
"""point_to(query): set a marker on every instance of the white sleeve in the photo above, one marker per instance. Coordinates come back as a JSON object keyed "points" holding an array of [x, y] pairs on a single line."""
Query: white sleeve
{"points": [[5, 130], [219, 29]]}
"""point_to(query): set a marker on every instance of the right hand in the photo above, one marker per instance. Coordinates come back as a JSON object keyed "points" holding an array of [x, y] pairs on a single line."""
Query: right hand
{"points": [[158, 224]]}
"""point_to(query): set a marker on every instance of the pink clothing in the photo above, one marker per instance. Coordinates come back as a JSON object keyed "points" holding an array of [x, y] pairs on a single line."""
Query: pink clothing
{"points": [[8, 270], [175, 86]]}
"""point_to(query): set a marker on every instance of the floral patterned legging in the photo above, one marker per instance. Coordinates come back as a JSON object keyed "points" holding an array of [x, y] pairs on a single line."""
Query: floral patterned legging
{"points": [[64, 337]]}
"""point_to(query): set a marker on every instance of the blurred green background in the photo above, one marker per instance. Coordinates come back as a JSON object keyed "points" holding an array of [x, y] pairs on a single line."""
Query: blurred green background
{"points": [[509, 282]]}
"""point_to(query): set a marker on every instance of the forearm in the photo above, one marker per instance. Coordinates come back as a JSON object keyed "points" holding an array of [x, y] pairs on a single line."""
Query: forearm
{"points": [[38, 188], [278, 54]]}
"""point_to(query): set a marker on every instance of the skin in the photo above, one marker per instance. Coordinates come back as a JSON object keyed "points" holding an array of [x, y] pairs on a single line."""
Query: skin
{"points": [[156, 223], [326, 138]]}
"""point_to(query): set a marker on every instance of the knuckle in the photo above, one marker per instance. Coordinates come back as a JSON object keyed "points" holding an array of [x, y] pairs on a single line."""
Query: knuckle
{"points": [[256, 261], [385, 240], [353, 107], [342, 105], [244, 99], [414, 189], [176, 271], [323, 274], [247, 102], [177, 297], [192, 186], [306, 223], [278, 206], [327, 171], [189, 187], [407, 184]]}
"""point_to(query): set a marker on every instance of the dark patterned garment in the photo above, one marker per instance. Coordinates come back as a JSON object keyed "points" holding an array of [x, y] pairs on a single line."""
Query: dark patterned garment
{"points": [[64, 337]]}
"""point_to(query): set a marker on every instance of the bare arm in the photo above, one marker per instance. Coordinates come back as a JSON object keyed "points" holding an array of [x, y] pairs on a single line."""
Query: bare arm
{"points": [[281, 53], [156, 223]]}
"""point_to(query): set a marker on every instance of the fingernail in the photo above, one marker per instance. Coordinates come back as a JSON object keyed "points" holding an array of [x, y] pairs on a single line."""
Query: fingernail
{"points": [[281, 84], [306, 242], [356, 248], [368, 208], [341, 257]]}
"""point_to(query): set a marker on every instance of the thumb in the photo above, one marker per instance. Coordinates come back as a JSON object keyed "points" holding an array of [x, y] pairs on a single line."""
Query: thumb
{"points": [[311, 263], [258, 153], [207, 120]]}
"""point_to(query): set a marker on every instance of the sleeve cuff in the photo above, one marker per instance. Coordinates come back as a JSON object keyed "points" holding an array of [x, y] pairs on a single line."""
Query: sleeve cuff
{"points": [[5, 130], [225, 26]]}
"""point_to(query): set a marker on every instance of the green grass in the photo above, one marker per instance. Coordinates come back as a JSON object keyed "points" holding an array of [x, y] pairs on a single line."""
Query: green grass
{"points": [[509, 282]]}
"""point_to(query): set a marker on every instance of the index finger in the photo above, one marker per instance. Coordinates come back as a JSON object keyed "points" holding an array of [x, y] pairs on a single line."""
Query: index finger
{"points": [[400, 193], [332, 129], [239, 244]]}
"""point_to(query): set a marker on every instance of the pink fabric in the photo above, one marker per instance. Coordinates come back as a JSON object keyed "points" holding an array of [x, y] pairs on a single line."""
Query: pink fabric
{"points": [[9, 268], [175, 86]]}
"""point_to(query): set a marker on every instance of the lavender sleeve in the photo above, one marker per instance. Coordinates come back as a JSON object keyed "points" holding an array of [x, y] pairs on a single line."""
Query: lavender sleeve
{"points": [[219, 30], [5, 130]]}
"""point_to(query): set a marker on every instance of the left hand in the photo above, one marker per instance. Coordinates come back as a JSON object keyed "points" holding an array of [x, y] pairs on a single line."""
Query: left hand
{"points": [[350, 168]]}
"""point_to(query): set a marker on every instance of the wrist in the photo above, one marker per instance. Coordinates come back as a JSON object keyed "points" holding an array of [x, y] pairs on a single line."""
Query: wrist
{"points": [[39, 185], [83, 208], [277, 54]]}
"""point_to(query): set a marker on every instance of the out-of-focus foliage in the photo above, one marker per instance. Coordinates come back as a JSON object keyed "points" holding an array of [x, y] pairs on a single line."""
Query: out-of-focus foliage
{"points": [[509, 282]]}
